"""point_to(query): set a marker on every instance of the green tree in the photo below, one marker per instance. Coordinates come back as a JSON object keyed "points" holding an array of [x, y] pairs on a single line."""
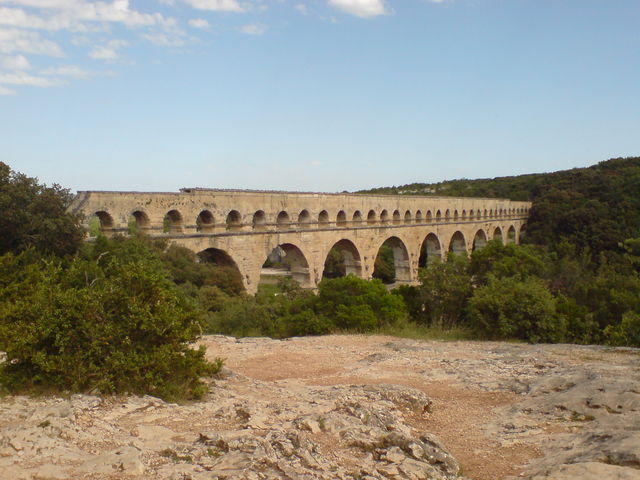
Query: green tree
{"points": [[34, 215]]}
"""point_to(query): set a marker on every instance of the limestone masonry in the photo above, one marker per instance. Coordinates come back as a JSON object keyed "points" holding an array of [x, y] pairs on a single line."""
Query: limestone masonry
{"points": [[241, 227]]}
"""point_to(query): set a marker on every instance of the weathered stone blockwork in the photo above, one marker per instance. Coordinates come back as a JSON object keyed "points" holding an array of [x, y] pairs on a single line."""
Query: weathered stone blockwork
{"points": [[245, 226]]}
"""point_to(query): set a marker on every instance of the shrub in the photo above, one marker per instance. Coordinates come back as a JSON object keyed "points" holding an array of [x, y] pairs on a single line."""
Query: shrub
{"points": [[626, 333], [113, 325], [514, 308]]}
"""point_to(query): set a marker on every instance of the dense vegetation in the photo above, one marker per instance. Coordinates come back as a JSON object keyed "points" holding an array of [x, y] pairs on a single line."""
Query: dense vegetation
{"points": [[119, 314]]}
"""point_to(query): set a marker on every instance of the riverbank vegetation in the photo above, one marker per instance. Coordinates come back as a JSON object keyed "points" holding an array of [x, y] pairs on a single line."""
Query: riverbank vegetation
{"points": [[119, 314]]}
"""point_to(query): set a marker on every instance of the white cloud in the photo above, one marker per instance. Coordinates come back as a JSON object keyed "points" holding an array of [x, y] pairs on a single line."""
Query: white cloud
{"points": [[253, 29], [163, 40], [109, 51], [21, 78], [198, 23], [68, 71], [216, 5], [6, 91], [361, 8], [302, 8], [17, 62], [16, 40]]}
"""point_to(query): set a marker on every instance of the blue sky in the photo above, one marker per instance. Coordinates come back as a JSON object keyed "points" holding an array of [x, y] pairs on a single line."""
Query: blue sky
{"points": [[322, 95]]}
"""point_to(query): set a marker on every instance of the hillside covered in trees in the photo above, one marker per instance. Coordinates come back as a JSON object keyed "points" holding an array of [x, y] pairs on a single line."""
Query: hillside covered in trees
{"points": [[594, 208]]}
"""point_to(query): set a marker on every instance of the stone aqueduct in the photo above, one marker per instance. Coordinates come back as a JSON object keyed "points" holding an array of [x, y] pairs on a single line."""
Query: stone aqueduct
{"points": [[241, 228]]}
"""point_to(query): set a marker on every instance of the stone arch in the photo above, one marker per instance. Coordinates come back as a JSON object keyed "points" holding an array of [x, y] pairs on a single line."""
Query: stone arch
{"points": [[455, 215], [471, 214], [401, 263], [371, 217], [407, 216], [343, 258], [105, 221], [259, 220], [458, 244], [430, 250], [418, 218], [396, 217], [357, 218], [234, 220], [485, 213], [511, 235], [497, 234], [384, 216], [341, 219], [173, 222], [429, 217], [304, 218], [447, 215], [479, 239], [221, 258], [438, 216], [205, 221], [523, 231], [323, 218], [282, 219], [139, 221], [294, 261]]}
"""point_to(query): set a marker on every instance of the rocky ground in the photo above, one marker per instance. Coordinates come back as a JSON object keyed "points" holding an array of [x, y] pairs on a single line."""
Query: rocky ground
{"points": [[351, 407]]}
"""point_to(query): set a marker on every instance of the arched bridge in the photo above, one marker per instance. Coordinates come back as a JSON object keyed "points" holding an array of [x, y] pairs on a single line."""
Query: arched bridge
{"points": [[241, 227]]}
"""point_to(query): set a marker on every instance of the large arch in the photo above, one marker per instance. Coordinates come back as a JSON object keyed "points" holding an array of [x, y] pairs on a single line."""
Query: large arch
{"points": [[292, 260], [430, 250], [222, 259], [511, 235], [458, 244], [497, 234], [395, 247], [343, 258], [479, 239]]}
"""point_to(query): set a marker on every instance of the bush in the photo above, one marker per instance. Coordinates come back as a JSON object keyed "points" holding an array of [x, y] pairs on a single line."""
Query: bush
{"points": [[514, 308], [113, 326], [358, 304], [627, 333]]}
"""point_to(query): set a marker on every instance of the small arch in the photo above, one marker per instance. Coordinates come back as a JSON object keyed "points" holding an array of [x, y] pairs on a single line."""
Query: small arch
{"points": [[105, 221], [139, 222], [430, 250], [438, 216], [234, 220], [464, 214], [357, 218], [396, 217], [323, 218], [259, 221], [342, 259], [384, 216], [418, 218], [491, 213], [341, 219], [407, 217], [371, 217], [429, 217], [511, 235], [458, 244], [283, 219], [304, 219], [484, 215], [479, 240], [497, 234], [455, 215], [172, 222], [205, 221], [447, 215], [471, 214], [392, 262]]}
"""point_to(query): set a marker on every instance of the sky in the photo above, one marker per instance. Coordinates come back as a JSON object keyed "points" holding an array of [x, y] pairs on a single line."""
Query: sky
{"points": [[313, 95]]}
